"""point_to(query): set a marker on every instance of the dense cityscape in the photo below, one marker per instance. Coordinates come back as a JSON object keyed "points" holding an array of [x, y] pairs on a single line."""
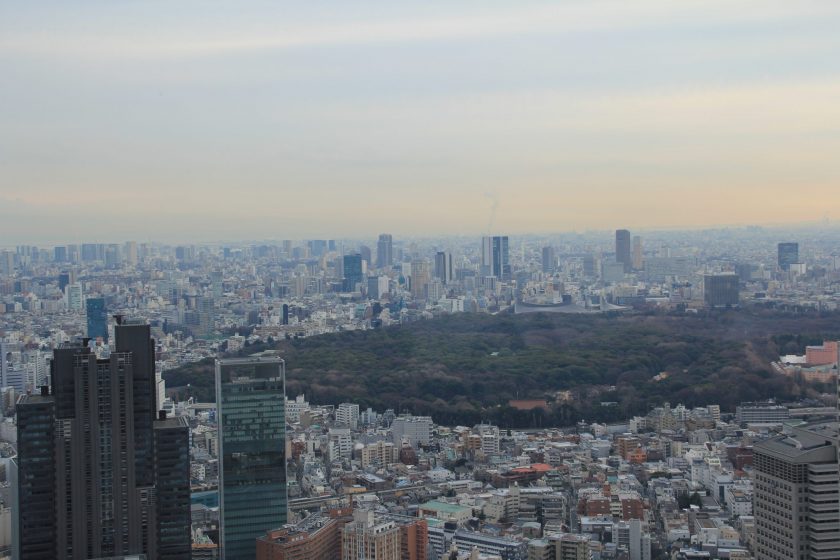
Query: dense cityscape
{"points": [[102, 458], [420, 280]]}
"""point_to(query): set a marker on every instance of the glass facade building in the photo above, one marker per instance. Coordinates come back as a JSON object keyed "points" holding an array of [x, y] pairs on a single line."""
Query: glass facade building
{"points": [[252, 445], [97, 318]]}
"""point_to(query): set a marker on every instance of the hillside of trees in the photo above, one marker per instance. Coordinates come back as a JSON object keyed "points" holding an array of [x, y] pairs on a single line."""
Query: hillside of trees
{"points": [[465, 368]]}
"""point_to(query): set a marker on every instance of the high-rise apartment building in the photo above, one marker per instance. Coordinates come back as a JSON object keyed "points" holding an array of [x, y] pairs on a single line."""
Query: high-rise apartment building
{"points": [[495, 257], [788, 254], [97, 318], [118, 478], [385, 250], [368, 537], [795, 495], [252, 448], [622, 249], [721, 290]]}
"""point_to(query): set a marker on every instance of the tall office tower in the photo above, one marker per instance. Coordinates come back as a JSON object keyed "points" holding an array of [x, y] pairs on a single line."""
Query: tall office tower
{"points": [[495, 257], [252, 445], [317, 247], [549, 260], [385, 250], [420, 278], [63, 280], [788, 255], [366, 254], [795, 495], [7, 262], [36, 478], [120, 478], [60, 254], [377, 287], [172, 485], [131, 252], [88, 252], [352, 272], [589, 269], [443, 266], [721, 290], [97, 318], [622, 249], [637, 252]]}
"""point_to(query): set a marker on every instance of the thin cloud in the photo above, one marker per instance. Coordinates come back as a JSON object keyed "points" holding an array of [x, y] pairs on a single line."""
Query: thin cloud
{"points": [[545, 18]]}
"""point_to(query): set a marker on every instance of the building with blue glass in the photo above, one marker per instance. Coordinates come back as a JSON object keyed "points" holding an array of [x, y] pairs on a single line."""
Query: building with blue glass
{"points": [[252, 446], [97, 319]]}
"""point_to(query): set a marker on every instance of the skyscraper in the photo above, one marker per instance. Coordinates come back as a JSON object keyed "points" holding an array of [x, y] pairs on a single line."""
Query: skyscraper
{"points": [[443, 266], [622, 249], [352, 272], [637, 252], [420, 278], [118, 478], [549, 259], [97, 318], [721, 290], [495, 257], [252, 445], [385, 250], [36, 478], [788, 255]]}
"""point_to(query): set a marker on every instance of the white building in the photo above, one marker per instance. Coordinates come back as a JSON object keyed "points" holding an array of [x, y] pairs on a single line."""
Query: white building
{"points": [[347, 414], [416, 430]]}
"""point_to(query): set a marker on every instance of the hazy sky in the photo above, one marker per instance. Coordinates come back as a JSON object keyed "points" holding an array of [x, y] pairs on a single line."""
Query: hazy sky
{"points": [[195, 120]]}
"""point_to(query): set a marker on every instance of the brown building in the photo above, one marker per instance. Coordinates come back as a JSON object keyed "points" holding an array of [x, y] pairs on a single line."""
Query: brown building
{"points": [[318, 537]]}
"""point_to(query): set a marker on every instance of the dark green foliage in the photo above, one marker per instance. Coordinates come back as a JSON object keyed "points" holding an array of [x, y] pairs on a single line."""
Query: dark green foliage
{"points": [[465, 368]]}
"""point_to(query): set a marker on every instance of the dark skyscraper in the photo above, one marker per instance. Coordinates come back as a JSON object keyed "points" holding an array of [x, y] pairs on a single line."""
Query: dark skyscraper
{"points": [[548, 259], [443, 266], [60, 254], [384, 251], [495, 257], [121, 477], [623, 253], [352, 272], [252, 448], [788, 255], [97, 318], [63, 280], [36, 478], [721, 290]]}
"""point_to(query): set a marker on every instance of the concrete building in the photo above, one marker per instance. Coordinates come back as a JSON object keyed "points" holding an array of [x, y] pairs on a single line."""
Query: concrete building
{"points": [[796, 495], [761, 413], [369, 538], [416, 430]]}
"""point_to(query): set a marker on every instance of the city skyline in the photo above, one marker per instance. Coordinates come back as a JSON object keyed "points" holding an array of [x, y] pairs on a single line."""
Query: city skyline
{"points": [[227, 123]]}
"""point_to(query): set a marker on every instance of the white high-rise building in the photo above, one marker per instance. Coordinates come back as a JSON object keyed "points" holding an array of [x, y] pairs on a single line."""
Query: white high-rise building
{"points": [[347, 414]]}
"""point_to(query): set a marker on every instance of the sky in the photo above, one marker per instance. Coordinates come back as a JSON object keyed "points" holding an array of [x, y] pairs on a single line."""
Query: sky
{"points": [[202, 120]]}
